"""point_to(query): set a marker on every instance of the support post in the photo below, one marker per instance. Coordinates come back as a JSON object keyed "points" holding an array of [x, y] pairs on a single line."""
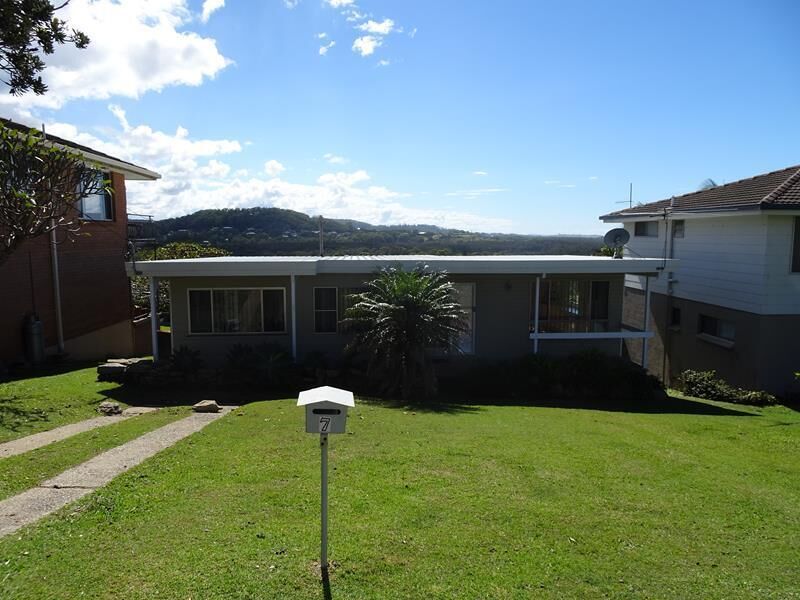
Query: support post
{"points": [[56, 288], [646, 324], [323, 558], [293, 301], [536, 317], [154, 316]]}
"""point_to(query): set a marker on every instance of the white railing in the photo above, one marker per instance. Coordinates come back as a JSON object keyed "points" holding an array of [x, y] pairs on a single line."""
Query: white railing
{"points": [[593, 335]]}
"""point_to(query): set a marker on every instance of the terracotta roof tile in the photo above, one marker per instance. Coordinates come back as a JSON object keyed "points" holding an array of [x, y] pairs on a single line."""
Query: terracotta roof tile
{"points": [[778, 189]]}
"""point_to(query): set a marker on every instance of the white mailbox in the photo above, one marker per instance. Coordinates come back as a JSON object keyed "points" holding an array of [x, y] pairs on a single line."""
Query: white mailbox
{"points": [[326, 409]]}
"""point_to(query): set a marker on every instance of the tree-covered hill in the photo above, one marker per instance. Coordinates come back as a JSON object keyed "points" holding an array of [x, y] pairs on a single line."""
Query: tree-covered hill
{"points": [[275, 231]]}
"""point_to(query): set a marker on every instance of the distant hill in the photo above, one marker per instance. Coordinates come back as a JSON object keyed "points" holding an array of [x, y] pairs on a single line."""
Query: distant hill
{"points": [[276, 231]]}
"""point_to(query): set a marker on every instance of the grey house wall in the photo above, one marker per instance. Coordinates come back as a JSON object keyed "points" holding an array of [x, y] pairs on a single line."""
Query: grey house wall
{"points": [[764, 356], [502, 315]]}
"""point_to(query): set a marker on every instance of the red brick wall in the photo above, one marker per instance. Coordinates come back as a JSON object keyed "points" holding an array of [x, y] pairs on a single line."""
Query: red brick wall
{"points": [[94, 287]]}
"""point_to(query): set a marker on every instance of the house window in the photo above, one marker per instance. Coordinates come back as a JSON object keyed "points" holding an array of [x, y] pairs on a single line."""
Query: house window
{"points": [[675, 317], [719, 328], [678, 228], [98, 206], [326, 311], [796, 247], [572, 306], [237, 311], [645, 229]]}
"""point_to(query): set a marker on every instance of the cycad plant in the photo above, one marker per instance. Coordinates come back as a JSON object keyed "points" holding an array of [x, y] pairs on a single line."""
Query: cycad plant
{"points": [[399, 320]]}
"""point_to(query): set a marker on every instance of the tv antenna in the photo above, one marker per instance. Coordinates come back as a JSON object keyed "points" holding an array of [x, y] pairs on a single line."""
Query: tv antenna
{"points": [[616, 239], [630, 197]]}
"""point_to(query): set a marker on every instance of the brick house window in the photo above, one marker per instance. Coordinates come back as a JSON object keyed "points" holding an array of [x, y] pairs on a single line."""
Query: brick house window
{"points": [[237, 310], [796, 246], [645, 229], [326, 311], [98, 206], [718, 328]]}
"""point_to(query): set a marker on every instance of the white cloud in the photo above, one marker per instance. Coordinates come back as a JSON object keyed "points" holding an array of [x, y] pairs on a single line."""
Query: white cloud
{"points": [[365, 45], [480, 173], [385, 27], [352, 15], [383, 62], [209, 7], [339, 3], [194, 177], [551, 181], [322, 36], [593, 178], [413, 33], [477, 193], [290, 4], [323, 50], [334, 160], [135, 47], [273, 168]]}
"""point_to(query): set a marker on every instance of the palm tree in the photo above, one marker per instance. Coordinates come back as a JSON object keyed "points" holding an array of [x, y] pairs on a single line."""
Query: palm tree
{"points": [[399, 319]]}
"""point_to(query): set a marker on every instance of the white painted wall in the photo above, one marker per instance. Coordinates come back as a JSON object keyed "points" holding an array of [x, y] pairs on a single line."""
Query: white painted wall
{"points": [[739, 262]]}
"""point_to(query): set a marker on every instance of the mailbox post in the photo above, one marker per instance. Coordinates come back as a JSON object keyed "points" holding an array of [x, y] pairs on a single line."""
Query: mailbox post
{"points": [[326, 412]]}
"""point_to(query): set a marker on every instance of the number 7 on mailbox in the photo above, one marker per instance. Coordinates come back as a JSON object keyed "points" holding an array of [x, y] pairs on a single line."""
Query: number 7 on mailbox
{"points": [[324, 424]]}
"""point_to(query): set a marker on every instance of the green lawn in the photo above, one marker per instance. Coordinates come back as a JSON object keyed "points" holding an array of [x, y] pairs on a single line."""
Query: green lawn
{"points": [[43, 402], [23, 471], [477, 502]]}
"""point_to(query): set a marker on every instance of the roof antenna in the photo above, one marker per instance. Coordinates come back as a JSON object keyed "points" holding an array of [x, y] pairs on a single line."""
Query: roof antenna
{"points": [[321, 238], [630, 197]]}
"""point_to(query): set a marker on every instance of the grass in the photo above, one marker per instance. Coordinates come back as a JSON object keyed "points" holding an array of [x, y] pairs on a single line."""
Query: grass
{"points": [[471, 502], [40, 403], [18, 473]]}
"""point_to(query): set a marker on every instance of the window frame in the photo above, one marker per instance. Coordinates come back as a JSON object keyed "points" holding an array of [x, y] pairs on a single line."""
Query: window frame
{"points": [[211, 291], [591, 328], [648, 223], [678, 228], [314, 308], [108, 202], [715, 337]]}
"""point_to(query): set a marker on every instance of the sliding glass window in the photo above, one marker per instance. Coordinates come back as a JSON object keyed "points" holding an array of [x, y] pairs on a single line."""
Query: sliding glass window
{"points": [[237, 311]]}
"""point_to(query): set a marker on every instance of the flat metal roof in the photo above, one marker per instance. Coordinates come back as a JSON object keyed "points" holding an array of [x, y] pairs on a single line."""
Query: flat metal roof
{"points": [[254, 266]]}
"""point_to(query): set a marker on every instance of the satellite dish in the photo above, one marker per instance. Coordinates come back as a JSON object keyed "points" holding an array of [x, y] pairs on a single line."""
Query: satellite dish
{"points": [[616, 239]]}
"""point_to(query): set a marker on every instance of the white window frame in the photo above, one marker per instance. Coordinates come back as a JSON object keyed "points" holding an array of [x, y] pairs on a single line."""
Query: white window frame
{"points": [[314, 308], [104, 194], [473, 313], [229, 333], [646, 235]]}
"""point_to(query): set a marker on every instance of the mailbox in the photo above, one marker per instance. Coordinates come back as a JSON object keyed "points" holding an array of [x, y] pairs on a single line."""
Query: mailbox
{"points": [[326, 409]]}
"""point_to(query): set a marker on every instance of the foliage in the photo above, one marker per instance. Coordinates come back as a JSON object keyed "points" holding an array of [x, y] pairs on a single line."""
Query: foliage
{"points": [[263, 365], [398, 320], [28, 29], [588, 375], [274, 231], [706, 384], [140, 285], [41, 187], [606, 251], [186, 361]]}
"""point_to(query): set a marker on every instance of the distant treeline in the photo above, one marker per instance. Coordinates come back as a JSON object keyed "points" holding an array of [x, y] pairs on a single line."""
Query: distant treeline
{"points": [[275, 231]]}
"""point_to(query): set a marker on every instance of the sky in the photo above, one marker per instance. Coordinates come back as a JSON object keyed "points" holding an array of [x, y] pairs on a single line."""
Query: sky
{"points": [[518, 117]]}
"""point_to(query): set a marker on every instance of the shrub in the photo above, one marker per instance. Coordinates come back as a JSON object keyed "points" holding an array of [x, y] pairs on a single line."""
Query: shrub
{"points": [[262, 365], [706, 384], [186, 361]]}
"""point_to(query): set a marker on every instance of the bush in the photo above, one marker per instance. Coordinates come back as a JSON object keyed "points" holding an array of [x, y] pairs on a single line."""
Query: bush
{"points": [[263, 365], [589, 375], [186, 361], [706, 384]]}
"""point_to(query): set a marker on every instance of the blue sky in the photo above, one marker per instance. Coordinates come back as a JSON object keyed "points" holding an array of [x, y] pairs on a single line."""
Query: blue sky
{"points": [[527, 117]]}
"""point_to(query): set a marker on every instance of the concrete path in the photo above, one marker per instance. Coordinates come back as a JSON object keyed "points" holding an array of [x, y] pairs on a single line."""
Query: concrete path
{"points": [[37, 440], [33, 504]]}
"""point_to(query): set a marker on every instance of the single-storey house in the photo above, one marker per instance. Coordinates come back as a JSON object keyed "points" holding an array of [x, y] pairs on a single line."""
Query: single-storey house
{"points": [[515, 304]]}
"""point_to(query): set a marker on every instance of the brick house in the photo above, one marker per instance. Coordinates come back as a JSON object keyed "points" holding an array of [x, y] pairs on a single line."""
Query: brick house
{"points": [[81, 284]]}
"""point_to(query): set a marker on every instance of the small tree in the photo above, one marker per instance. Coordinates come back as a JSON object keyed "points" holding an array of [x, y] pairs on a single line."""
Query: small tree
{"points": [[41, 187], [140, 286], [28, 29], [401, 317]]}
